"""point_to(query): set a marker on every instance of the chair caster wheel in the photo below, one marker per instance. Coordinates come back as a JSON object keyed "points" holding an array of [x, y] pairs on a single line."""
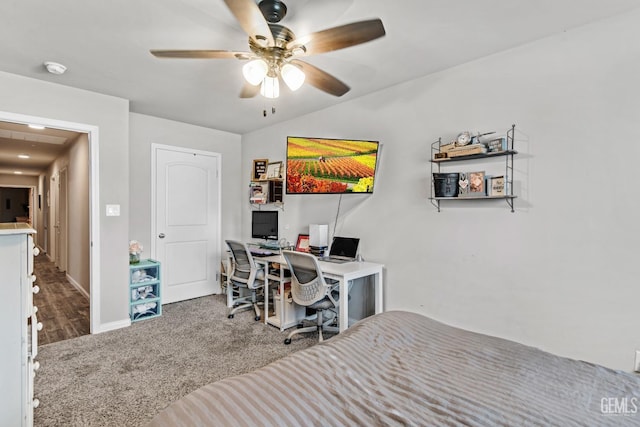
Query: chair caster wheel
{"points": [[257, 318], [230, 316], [287, 341]]}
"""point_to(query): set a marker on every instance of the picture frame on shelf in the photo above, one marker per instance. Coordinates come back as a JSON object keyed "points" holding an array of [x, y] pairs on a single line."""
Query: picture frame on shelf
{"points": [[463, 184], [274, 170], [497, 144], [302, 245], [495, 186], [477, 184], [259, 169]]}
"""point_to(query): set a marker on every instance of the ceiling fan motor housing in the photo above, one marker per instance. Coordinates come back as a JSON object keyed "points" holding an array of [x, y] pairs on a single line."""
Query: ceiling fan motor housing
{"points": [[273, 10], [282, 36]]}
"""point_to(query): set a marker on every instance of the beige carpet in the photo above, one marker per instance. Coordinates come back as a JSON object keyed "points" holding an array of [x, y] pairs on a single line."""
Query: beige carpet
{"points": [[124, 377]]}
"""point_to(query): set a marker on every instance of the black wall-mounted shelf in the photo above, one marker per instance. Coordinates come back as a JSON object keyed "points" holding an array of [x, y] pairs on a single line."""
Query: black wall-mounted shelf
{"points": [[508, 155]]}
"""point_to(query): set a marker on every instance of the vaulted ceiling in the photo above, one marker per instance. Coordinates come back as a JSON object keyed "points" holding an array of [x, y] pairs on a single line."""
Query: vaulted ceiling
{"points": [[105, 46]]}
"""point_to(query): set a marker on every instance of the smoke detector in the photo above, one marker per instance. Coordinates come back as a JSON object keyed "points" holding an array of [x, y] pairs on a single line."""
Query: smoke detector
{"points": [[55, 68]]}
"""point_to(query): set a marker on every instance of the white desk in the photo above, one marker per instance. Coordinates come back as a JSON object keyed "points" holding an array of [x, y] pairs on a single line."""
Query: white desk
{"points": [[343, 273]]}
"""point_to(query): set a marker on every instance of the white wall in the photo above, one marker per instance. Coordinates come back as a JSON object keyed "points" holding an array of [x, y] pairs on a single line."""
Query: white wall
{"points": [[147, 130], [17, 180], [37, 98], [78, 213], [559, 273]]}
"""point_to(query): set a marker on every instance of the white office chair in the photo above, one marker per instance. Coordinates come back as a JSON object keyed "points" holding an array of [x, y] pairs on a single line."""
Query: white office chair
{"points": [[311, 289], [245, 274]]}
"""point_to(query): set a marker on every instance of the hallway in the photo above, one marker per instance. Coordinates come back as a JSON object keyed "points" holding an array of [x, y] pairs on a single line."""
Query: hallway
{"points": [[62, 309]]}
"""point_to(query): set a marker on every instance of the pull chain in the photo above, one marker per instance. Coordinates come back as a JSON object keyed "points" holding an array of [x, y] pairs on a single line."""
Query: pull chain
{"points": [[264, 106]]}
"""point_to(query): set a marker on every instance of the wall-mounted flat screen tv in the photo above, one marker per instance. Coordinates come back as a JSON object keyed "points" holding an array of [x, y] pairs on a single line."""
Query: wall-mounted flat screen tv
{"points": [[330, 166]]}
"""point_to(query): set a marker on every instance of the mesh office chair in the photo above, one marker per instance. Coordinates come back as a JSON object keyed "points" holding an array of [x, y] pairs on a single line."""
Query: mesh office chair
{"points": [[309, 288], [245, 274]]}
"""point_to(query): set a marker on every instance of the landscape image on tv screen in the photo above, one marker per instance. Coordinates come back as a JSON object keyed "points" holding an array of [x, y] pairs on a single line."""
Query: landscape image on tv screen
{"points": [[330, 166]]}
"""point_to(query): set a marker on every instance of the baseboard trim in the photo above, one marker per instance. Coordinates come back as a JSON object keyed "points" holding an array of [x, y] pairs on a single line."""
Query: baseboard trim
{"points": [[111, 326], [78, 286]]}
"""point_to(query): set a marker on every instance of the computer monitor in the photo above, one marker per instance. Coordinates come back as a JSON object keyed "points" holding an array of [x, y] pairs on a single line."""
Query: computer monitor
{"points": [[264, 225]]}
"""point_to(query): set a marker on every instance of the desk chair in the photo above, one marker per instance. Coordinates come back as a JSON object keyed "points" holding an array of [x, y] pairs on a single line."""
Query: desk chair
{"points": [[245, 274], [309, 288]]}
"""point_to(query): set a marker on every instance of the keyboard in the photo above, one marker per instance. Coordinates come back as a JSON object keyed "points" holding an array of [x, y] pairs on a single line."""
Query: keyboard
{"points": [[336, 259], [259, 252]]}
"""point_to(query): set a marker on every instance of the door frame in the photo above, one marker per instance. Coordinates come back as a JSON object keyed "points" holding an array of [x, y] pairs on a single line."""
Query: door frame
{"points": [[62, 205], [94, 200], [154, 225], [54, 233]]}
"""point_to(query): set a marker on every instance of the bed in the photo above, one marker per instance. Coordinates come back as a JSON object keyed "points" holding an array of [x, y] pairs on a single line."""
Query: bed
{"points": [[403, 369]]}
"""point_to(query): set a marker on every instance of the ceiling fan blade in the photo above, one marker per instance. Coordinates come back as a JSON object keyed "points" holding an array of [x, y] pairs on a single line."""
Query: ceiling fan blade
{"points": [[199, 54], [249, 90], [321, 79], [339, 37], [251, 20]]}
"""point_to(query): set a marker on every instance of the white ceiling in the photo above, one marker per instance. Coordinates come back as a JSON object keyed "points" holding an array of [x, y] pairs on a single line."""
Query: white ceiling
{"points": [[105, 45], [42, 146]]}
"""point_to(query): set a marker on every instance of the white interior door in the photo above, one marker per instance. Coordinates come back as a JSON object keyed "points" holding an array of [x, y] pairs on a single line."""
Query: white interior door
{"points": [[187, 221]]}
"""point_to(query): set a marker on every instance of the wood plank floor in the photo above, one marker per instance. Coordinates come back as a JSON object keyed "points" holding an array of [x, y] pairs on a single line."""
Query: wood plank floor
{"points": [[62, 309]]}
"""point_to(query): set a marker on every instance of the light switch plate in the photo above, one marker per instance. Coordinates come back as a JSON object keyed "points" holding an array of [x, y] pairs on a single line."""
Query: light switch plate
{"points": [[113, 210]]}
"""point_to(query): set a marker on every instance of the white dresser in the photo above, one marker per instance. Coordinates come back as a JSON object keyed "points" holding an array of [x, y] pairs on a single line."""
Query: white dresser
{"points": [[18, 325]]}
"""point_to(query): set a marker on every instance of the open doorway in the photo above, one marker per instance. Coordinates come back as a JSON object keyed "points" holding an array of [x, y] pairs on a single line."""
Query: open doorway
{"points": [[15, 204], [58, 160]]}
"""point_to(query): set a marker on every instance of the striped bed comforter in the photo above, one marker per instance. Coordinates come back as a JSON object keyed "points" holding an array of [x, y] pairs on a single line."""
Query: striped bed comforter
{"points": [[404, 369]]}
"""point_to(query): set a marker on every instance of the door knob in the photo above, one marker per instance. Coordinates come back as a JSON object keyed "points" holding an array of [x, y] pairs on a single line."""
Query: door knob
{"points": [[161, 235]]}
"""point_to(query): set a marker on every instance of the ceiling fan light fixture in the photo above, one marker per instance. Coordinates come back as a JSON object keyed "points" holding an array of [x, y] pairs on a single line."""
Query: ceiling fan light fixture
{"points": [[292, 76], [270, 87], [255, 71]]}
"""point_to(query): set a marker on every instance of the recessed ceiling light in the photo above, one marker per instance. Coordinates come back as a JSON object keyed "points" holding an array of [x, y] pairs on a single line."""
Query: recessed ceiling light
{"points": [[17, 172], [32, 126], [23, 156], [55, 68]]}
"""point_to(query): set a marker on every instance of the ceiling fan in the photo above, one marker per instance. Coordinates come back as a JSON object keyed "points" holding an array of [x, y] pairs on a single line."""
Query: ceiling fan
{"points": [[274, 49]]}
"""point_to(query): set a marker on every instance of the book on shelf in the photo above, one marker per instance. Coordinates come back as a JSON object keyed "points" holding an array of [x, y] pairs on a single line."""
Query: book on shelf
{"points": [[467, 150], [444, 148], [257, 193]]}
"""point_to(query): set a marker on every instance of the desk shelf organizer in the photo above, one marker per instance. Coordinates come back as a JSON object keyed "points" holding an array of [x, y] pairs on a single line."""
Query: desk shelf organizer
{"points": [[286, 312], [144, 290]]}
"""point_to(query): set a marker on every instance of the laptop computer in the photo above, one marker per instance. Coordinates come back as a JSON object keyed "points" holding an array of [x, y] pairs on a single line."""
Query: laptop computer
{"points": [[343, 249]]}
